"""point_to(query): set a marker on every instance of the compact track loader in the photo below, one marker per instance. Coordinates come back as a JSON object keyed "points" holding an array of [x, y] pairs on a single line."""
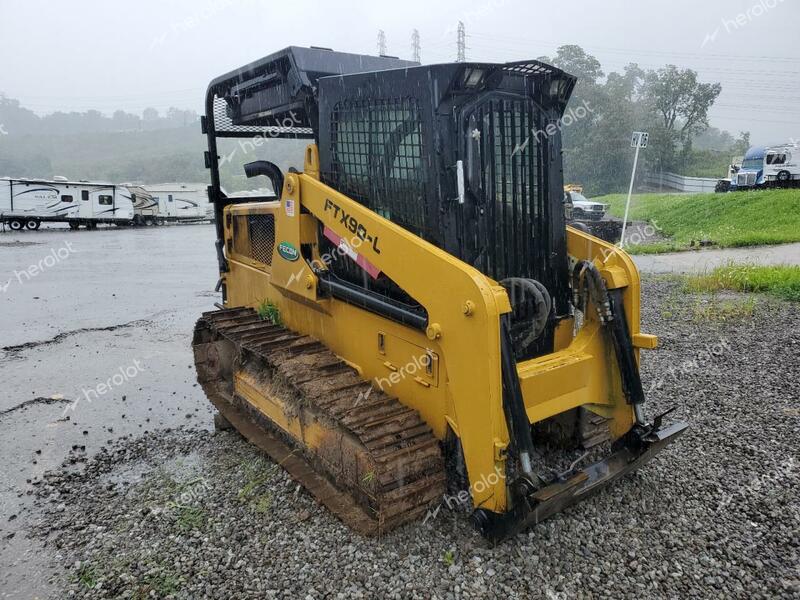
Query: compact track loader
{"points": [[409, 316]]}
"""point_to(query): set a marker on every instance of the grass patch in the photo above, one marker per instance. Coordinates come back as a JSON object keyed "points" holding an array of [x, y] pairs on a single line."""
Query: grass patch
{"points": [[729, 220], [671, 305], [449, 557], [654, 248], [252, 493], [780, 281], [709, 308], [720, 310], [263, 503], [189, 518], [268, 311], [161, 584], [160, 484], [87, 576]]}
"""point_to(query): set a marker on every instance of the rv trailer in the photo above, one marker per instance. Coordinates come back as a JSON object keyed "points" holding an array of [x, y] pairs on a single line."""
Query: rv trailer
{"points": [[145, 207], [181, 202], [27, 203]]}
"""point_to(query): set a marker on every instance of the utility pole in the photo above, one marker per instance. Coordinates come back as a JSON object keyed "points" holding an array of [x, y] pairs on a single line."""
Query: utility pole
{"points": [[415, 46], [461, 55], [382, 43]]}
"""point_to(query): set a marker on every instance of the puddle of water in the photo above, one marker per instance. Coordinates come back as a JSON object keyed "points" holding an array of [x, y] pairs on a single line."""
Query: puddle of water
{"points": [[181, 469], [127, 474]]}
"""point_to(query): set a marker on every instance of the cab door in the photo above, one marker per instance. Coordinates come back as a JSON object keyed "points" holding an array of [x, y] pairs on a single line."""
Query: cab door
{"points": [[505, 158], [161, 200]]}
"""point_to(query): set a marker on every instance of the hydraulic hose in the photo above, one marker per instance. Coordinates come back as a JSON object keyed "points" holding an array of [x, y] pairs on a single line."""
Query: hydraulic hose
{"points": [[519, 290], [519, 427], [587, 281]]}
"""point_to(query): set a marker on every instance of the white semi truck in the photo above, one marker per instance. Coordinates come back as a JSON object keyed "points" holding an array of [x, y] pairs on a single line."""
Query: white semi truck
{"points": [[763, 167]]}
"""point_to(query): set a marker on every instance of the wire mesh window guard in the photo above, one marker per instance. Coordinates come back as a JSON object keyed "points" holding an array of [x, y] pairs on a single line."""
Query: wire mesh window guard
{"points": [[378, 157]]}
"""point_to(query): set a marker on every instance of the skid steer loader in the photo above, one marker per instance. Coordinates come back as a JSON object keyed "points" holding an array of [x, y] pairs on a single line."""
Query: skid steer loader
{"points": [[408, 316]]}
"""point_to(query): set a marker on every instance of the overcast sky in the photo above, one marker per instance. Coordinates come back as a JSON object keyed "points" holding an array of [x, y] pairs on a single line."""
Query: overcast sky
{"points": [[81, 54]]}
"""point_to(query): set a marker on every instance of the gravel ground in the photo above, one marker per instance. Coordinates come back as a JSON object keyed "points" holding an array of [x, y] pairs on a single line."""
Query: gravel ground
{"points": [[187, 513]]}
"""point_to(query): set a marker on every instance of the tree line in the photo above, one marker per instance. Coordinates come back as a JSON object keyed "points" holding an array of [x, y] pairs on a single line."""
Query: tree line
{"points": [[18, 120], [670, 103]]}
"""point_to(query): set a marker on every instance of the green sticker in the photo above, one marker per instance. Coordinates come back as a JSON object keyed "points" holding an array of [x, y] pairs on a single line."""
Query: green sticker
{"points": [[288, 252]]}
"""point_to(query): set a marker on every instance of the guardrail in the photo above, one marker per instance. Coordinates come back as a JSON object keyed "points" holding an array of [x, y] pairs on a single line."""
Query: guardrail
{"points": [[673, 181]]}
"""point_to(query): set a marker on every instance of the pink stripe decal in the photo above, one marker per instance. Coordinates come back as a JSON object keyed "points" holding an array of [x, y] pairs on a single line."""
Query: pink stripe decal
{"points": [[348, 250], [368, 267], [331, 235]]}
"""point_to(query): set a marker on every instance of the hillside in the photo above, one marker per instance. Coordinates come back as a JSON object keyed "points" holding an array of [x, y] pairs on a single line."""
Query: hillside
{"points": [[728, 220]]}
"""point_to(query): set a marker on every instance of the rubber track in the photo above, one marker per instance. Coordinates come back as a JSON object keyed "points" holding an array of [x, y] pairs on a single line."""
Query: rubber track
{"points": [[409, 469]]}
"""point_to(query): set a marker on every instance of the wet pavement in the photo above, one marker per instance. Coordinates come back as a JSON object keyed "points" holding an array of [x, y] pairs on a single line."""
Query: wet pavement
{"points": [[700, 261], [95, 333]]}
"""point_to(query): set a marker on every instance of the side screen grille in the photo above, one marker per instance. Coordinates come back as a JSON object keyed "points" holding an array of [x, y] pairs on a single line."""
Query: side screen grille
{"points": [[254, 237], [378, 157]]}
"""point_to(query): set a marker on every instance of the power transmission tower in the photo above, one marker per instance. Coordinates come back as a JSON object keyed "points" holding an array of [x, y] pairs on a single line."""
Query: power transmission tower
{"points": [[461, 56], [415, 45], [382, 43]]}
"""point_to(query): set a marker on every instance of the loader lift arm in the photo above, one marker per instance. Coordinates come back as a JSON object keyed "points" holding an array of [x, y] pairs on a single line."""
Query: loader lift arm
{"points": [[463, 306]]}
